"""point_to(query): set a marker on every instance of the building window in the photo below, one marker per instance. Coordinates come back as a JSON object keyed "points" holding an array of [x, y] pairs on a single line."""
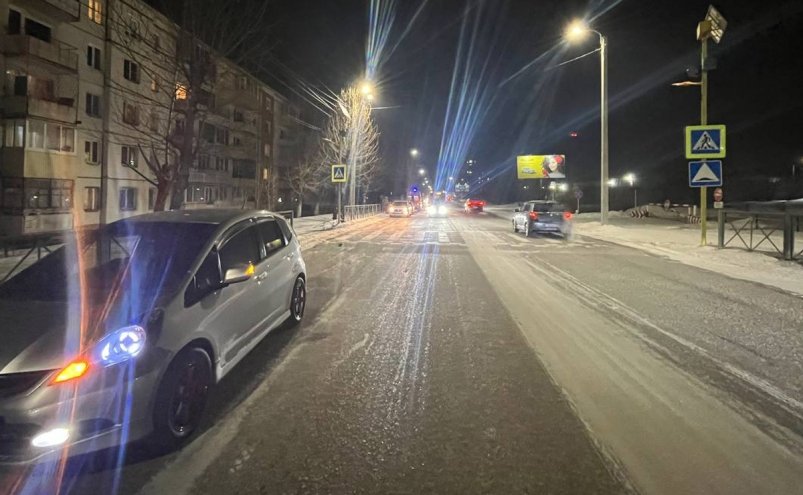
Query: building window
{"points": [[93, 57], [222, 164], [129, 156], [128, 198], [14, 22], [238, 116], [222, 136], [181, 91], [91, 199], [15, 133], [203, 162], [92, 105], [92, 151], [51, 137], [157, 43], [130, 114], [131, 71], [94, 11], [155, 83], [153, 123], [235, 140], [48, 194], [151, 198], [37, 30]]}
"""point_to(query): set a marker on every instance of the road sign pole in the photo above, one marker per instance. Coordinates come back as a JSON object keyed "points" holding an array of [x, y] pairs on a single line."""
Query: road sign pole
{"points": [[703, 121]]}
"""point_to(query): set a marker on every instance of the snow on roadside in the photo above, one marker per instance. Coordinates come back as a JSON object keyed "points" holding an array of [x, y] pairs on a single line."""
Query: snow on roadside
{"points": [[326, 232], [680, 242]]}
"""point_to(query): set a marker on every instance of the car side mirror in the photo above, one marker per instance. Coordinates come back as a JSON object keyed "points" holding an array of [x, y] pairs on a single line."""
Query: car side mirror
{"points": [[517, 210], [238, 274]]}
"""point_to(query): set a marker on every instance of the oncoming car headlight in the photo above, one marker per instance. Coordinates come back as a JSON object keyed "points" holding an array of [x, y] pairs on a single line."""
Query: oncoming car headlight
{"points": [[432, 209], [117, 347], [442, 210]]}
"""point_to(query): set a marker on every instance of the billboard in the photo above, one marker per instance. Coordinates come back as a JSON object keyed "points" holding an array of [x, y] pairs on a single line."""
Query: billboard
{"points": [[541, 166]]}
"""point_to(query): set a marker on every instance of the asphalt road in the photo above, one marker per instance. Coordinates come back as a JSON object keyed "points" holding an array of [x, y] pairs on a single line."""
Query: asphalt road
{"points": [[453, 356]]}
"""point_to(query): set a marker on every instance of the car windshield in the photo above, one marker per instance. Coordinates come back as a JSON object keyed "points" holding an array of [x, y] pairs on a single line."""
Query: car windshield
{"points": [[547, 207], [399, 203], [148, 257]]}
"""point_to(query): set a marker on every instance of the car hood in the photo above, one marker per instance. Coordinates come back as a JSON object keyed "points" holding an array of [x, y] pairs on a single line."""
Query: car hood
{"points": [[37, 335]]}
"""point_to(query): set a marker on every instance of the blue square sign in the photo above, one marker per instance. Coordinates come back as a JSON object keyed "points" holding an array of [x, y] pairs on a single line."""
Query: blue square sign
{"points": [[705, 141], [705, 173]]}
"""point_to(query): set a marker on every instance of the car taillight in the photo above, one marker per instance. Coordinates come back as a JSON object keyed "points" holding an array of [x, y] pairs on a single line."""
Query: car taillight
{"points": [[567, 215], [533, 215]]}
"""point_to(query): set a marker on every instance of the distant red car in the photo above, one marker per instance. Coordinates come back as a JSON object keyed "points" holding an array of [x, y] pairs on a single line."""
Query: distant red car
{"points": [[474, 205]]}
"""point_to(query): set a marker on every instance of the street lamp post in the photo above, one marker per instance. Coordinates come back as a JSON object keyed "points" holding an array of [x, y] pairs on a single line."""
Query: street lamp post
{"points": [[577, 30]]}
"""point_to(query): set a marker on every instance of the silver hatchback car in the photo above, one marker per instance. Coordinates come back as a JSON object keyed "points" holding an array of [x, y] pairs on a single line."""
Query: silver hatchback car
{"points": [[120, 333]]}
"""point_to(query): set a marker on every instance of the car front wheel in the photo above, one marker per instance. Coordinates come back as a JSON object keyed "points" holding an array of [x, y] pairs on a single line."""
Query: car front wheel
{"points": [[181, 398]]}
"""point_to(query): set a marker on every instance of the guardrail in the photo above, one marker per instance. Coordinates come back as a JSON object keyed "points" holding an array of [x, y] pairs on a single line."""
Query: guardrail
{"points": [[360, 211], [754, 224]]}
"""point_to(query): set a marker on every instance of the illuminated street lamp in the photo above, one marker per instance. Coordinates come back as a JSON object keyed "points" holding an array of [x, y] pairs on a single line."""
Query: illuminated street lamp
{"points": [[576, 31], [414, 152], [563, 187], [421, 171], [631, 180]]}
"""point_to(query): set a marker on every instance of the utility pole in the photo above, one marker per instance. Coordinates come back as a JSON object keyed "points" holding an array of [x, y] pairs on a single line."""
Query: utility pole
{"points": [[703, 121], [603, 44]]}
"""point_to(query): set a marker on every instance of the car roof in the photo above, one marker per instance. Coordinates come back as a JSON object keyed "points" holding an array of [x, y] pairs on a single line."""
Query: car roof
{"points": [[215, 216]]}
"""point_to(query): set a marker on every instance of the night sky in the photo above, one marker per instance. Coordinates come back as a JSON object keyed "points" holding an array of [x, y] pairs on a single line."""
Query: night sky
{"points": [[757, 89]]}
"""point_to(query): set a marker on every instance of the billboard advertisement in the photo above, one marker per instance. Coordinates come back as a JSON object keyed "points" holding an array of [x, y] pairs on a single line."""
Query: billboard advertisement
{"points": [[541, 166]]}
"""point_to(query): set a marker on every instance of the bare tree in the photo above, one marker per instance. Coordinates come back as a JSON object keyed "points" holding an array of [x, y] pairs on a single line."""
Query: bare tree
{"points": [[306, 176], [352, 137], [177, 62]]}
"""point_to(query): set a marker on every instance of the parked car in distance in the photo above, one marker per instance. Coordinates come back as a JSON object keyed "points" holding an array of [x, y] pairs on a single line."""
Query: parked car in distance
{"points": [[400, 209], [120, 333], [542, 217]]}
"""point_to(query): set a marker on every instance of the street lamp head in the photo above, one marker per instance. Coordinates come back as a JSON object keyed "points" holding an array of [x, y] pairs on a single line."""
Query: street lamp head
{"points": [[630, 178], [451, 178], [576, 31], [414, 152], [421, 171], [366, 88], [563, 187]]}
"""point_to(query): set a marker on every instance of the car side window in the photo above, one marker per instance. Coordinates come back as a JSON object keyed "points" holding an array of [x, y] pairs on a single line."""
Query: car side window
{"points": [[272, 236], [241, 249], [206, 279], [526, 208], [286, 230]]}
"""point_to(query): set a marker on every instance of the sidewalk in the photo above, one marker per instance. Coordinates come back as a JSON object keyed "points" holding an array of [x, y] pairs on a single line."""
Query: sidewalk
{"points": [[681, 242]]}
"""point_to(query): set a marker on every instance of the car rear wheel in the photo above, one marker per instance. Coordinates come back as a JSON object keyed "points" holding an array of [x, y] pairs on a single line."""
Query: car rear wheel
{"points": [[181, 398], [298, 301]]}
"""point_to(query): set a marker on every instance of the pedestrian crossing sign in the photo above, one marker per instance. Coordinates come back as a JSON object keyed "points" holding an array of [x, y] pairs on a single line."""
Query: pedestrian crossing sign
{"points": [[705, 141], [338, 173]]}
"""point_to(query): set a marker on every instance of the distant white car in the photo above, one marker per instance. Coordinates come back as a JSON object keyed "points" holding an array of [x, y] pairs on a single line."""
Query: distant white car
{"points": [[400, 209]]}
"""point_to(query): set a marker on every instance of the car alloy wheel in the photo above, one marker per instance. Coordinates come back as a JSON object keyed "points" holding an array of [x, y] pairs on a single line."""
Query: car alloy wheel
{"points": [[181, 398], [298, 301]]}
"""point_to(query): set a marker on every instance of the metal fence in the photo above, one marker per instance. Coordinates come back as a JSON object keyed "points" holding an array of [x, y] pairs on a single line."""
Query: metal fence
{"points": [[360, 211], [770, 226]]}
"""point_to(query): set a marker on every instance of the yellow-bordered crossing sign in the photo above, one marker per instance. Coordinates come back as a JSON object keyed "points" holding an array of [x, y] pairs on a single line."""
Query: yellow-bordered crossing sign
{"points": [[338, 173]]}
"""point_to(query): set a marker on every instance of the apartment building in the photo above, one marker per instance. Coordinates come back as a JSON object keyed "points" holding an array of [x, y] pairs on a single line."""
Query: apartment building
{"points": [[89, 107]]}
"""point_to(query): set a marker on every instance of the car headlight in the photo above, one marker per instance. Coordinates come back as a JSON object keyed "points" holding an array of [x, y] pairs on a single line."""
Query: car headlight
{"points": [[121, 345], [432, 210], [117, 347], [442, 210]]}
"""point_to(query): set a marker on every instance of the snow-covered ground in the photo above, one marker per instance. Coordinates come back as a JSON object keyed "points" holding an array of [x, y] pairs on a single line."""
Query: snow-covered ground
{"points": [[681, 242]]}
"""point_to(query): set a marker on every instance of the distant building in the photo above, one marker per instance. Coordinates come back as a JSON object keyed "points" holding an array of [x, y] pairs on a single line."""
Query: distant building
{"points": [[78, 112]]}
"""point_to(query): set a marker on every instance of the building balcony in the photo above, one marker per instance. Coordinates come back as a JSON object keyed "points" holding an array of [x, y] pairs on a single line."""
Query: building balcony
{"points": [[56, 56], [238, 97], [210, 176], [62, 10], [61, 110]]}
